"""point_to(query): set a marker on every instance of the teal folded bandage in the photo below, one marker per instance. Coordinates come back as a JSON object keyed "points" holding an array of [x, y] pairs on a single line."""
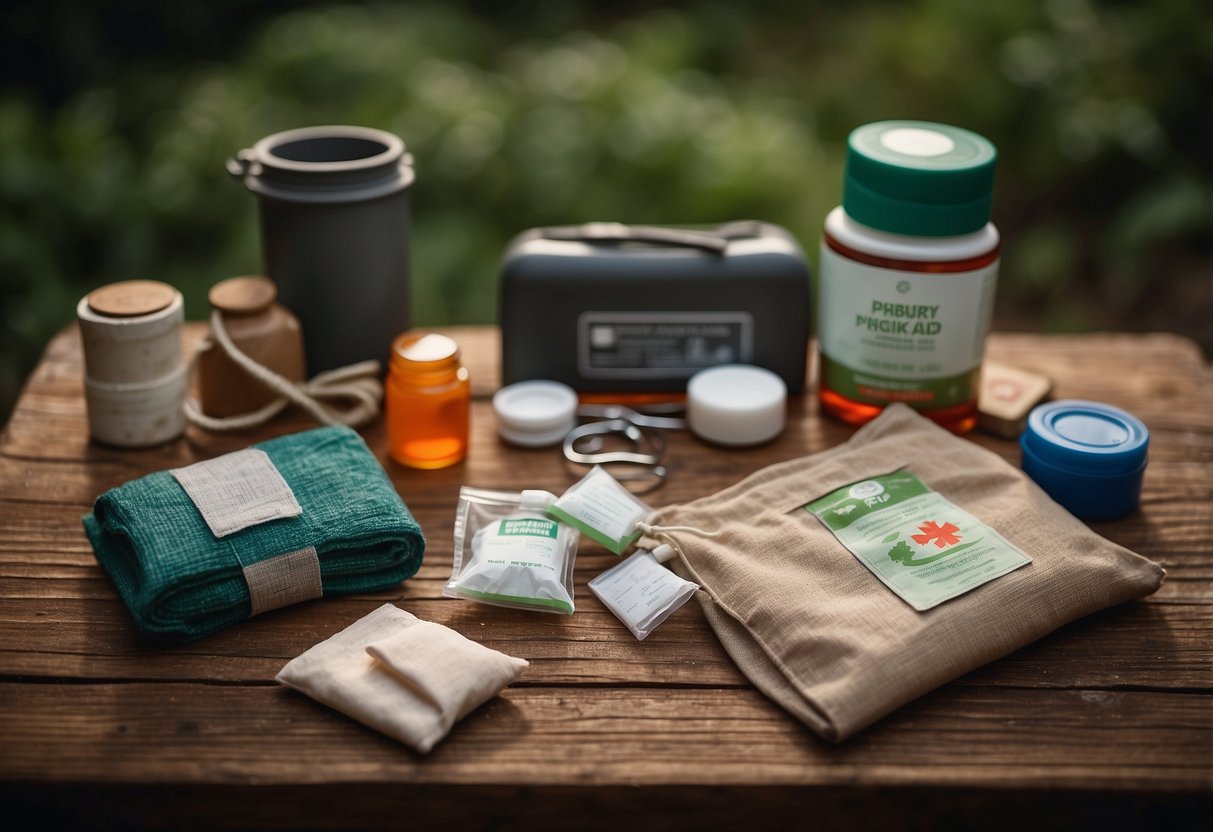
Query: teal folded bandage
{"points": [[182, 582]]}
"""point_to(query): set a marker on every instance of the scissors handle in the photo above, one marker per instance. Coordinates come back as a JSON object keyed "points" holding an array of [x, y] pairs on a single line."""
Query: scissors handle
{"points": [[618, 411], [620, 427]]}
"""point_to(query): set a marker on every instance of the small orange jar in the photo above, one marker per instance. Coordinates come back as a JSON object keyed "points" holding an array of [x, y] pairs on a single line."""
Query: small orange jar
{"points": [[428, 398]]}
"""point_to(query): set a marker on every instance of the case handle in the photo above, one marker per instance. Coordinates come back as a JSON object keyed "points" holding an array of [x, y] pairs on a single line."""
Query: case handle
{"points": [[617, 232]]}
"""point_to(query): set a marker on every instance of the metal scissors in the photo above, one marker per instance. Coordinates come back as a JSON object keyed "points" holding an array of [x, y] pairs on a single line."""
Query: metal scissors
{"points": [[643, 420], [641, 458]]}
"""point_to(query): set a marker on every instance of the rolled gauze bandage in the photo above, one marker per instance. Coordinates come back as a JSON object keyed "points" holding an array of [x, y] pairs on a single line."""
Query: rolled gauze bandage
{"points": [[200, 548]]}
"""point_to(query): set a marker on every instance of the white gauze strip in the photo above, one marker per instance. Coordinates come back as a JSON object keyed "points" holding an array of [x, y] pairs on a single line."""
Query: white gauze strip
{"points": [[237, 490]]}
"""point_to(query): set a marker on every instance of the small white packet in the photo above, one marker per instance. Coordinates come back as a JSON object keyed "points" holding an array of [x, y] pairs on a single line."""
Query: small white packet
{"points": [[601, 508], [641, 592], [509, 553]]}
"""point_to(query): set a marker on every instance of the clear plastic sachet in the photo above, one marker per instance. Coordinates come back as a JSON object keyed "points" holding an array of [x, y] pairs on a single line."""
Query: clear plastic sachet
{"points": [[508, 552], [641, 592], [603, 510]]}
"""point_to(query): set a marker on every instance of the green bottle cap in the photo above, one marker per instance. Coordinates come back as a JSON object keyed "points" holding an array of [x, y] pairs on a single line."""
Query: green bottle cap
{"points": [[919, 178]]}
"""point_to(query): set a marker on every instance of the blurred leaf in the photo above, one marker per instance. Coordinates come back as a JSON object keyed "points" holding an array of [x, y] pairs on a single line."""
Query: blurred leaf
{"points": [[703, 113]]}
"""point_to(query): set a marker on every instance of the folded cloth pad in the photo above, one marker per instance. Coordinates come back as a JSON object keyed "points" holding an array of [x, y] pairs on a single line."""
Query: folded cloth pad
{"points": [[410, 679], [826, 635], [197, 549]]}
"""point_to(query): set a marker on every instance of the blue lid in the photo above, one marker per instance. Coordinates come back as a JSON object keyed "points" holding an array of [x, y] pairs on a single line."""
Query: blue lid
{"points": [[1089, 437]]}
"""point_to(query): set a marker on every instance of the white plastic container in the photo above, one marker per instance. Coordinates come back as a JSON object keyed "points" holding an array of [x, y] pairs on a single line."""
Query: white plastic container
{"points": [[736, 405]]}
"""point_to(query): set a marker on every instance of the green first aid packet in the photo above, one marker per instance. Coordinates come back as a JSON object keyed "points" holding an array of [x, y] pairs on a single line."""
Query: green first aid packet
{"points": [[312, 509], [919, 544], [603, 510]]}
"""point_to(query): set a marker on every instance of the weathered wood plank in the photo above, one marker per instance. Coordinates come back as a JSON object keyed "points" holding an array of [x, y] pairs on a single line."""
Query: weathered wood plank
{"points": [[601, 736], [607, 809], [1162, 378], [1118, 701], [38, 534], [637, 808], [1177, 497], [41, 536], [1160, 646]]}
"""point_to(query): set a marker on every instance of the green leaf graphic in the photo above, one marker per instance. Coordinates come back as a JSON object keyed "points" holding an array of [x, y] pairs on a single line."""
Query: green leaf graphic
{"points": [[902, 553], [891, 537]]}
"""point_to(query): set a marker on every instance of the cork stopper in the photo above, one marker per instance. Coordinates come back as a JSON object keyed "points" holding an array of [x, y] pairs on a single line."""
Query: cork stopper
{"points": [[243, 295], [131, 298]]}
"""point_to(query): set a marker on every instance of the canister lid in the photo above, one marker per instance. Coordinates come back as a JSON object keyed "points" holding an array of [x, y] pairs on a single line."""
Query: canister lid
{"points": [[535, 413], [736, 404], [1087, 437], [326, 164], [131, 298], [919, 178]]}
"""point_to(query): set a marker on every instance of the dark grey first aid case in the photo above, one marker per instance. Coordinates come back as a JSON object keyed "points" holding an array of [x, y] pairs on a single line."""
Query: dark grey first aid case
{"points": [[606, 307]]}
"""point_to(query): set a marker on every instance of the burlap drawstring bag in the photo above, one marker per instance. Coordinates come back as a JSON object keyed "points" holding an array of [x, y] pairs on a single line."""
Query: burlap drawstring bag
{"points": [[814, 629]]}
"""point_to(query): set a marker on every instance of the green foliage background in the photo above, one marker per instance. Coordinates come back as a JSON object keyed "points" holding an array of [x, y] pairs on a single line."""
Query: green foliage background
{"points": [[114, 132]]}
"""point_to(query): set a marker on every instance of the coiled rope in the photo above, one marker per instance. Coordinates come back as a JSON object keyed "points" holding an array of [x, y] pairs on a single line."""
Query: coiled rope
{"points": [[359, 384]]}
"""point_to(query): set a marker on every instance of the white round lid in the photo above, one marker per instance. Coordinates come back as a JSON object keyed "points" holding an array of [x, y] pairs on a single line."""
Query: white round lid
{"points": [[736, 404], [535, 413]]}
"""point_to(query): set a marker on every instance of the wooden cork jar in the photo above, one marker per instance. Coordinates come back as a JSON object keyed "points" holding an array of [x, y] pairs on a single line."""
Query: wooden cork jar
{"points": [[264, 331]]}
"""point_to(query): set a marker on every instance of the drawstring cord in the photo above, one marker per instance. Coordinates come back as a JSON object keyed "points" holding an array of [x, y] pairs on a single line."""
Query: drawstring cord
{"points": [[662, 534], [658, 531]]}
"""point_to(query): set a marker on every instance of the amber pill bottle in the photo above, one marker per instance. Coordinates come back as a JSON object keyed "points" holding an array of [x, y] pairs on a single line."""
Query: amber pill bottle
{"points": [[908, 270], [427, 401]]}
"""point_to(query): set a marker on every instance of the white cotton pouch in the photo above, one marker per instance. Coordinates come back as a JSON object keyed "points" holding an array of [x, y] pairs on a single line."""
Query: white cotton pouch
{"points": [[408, 678]]}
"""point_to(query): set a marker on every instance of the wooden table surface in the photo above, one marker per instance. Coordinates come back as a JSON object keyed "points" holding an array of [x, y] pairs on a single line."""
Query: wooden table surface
{"points": [[1108, 720]]}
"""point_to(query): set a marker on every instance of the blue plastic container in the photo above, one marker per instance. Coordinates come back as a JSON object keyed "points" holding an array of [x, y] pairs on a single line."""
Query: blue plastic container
{"points": [[1089, 457]]}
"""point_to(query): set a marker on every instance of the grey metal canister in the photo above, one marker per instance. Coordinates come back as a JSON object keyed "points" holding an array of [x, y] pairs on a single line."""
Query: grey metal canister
{"points": [[334, 216]]}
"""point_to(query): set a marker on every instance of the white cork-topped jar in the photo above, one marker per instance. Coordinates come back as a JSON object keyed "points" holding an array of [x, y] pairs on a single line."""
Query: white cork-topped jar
{"points": [[134, 374], [131, 331]]}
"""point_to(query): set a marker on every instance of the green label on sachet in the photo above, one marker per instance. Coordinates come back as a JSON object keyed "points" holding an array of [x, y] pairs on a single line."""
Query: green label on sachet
{"points": [[533, 527], [921, 546]]}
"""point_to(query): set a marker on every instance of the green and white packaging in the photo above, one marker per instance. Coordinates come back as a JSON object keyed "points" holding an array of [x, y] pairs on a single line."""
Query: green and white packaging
{"points": [[921, 546], [601, 508], [509, 553], [908, 268]]}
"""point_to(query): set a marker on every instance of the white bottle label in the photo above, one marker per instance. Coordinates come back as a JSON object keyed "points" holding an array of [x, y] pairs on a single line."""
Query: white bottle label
{"points": [[895, 336]]}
